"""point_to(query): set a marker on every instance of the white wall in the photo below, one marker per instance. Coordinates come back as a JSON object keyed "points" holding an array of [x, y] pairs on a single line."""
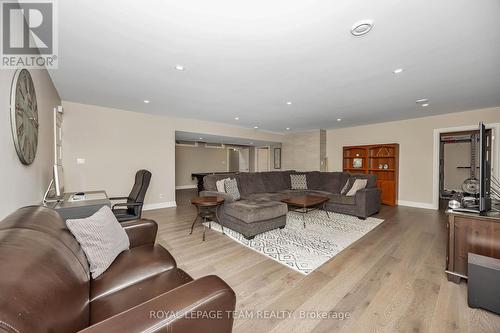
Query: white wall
{"points": [[25, 185], [116, 143], [416, 140]]}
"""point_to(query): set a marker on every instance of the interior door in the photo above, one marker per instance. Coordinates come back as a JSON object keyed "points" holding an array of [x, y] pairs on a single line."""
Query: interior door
{"points": [[244, 159], [263, 159]]}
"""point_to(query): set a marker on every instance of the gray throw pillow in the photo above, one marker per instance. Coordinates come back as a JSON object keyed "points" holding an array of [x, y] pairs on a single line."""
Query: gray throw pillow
{"points": [[101, 237], [299, 182], [231, 187]]}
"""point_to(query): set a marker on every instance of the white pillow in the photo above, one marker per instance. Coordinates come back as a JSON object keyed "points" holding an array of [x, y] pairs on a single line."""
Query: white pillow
{"points": [[101, 237], [220, 185], [358, 184]]}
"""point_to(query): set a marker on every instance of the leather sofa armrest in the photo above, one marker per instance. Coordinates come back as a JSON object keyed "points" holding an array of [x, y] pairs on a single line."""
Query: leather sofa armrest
{"points": [[203, 305], [140, 232], [227, 197]]}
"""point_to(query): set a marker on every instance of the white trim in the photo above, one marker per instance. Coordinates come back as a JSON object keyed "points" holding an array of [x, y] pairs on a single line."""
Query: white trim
{"points": [[415, 204], [159, 205], [495, 152], [185, 187]]}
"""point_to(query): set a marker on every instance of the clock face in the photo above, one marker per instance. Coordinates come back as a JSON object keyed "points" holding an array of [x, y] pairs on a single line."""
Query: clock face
{"points": [[24, 116]]}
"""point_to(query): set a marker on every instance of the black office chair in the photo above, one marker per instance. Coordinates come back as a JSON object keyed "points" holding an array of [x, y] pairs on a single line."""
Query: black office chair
{"points": [[132, 209]]}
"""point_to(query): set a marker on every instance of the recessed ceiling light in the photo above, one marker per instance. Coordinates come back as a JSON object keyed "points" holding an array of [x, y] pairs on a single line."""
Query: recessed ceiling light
{"points": [[425, 104], [251, 143], [236, 118], [146, 101], [339, 119], [288, 128], [398, 71], [289, 103], [362, 27], [179, 67], [256, 127], [423, 100], [201, 138]]}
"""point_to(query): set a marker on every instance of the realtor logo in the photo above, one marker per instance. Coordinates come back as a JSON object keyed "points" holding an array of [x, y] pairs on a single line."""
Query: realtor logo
{"points": [[29, 38]]}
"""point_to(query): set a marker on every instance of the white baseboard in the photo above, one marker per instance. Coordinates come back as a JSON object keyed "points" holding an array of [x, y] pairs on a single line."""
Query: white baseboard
{"points": [[416, 204], [185, 187], [159, 205]]}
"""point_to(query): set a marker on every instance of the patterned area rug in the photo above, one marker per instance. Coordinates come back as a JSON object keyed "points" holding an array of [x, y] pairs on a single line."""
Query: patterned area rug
{"points": [[304, 250]]}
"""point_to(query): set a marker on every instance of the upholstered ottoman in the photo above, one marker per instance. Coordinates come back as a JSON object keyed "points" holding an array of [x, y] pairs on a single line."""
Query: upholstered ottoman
{"points": [[253, 216]]}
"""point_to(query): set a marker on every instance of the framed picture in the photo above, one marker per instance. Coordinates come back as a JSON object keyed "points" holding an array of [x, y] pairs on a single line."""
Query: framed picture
{"points": [[277, 158], [357, 163]]}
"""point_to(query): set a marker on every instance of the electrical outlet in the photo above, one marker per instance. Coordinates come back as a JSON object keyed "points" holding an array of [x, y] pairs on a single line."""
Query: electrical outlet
{"points": [[80, 161], [162, 195]]}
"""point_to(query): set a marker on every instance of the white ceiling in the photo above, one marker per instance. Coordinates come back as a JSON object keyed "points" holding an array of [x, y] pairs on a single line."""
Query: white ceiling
{"points": [[248, 58]]}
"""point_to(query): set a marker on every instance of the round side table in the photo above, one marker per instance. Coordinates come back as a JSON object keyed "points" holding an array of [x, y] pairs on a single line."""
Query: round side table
{"points": [[207, 208]]}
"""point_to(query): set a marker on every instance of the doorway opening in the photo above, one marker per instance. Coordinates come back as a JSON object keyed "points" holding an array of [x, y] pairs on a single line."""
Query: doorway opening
{"points": [[459, 164]]}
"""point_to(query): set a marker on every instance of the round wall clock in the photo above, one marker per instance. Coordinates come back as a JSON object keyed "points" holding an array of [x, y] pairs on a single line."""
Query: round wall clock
{"points": [[24, 116]]}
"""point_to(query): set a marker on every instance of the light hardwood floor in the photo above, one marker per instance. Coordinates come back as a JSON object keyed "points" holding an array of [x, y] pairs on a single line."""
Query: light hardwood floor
{"points": [[391, 280]]}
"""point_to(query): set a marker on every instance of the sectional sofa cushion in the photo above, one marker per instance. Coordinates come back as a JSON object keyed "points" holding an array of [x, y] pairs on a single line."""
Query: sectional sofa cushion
{"points": [[257, 210], [274, 181], [332, 181], [286, 178], [342, 199], [209, 182], [371, 179], [298, 182], [231, 188], [250, 182], [313, 180]]}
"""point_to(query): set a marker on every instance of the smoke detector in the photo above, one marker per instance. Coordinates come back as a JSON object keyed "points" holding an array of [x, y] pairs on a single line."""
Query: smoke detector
{"points": [[362, 27]]}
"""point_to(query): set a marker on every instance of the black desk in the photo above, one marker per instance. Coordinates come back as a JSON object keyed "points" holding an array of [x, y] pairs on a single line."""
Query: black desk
{"points": [[199, 176]]}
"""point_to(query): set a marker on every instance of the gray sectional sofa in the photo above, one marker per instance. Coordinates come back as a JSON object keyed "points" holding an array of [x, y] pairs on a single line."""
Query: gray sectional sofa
{"points": [[260, 208]]}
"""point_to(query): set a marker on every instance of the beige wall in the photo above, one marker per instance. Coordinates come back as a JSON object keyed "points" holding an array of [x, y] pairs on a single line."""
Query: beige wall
{"points": [[302, 151], [116, 143], [416, 139], [25, 185], [197, 159]]}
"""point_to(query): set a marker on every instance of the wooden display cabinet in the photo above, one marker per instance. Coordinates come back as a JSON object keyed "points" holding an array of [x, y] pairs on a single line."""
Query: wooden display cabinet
{"points": [[381, 160]]}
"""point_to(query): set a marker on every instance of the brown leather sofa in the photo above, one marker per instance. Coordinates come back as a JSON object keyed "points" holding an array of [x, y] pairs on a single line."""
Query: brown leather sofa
{"points": [[45, 284]]}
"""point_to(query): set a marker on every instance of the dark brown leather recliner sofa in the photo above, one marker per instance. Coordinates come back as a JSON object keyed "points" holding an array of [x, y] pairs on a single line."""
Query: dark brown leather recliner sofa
{"points": [[45, 284]]}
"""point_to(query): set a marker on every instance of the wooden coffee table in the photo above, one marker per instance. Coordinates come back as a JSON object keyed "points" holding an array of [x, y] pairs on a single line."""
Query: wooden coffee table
{"points": [[207, 207], [306, 203]]}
